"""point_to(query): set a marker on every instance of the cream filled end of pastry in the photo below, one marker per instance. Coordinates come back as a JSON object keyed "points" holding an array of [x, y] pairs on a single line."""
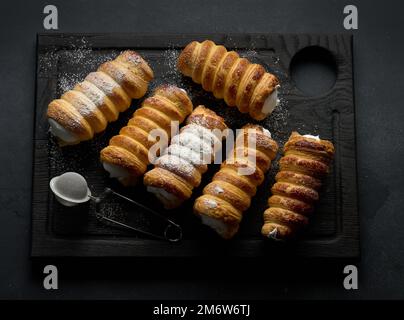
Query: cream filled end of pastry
{"points": [[219, 226], [165, 197], [271, 102], [116, 171], [58, 131], [311, 136]]}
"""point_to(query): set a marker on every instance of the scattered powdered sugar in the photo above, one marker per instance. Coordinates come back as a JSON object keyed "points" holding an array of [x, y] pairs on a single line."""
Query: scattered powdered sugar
{"points": [[47, 61], [188, 154], [94, 93], [277, 122], [106, 84], [210, 204], [169, 60], [68, 81], [195, 143], [134, 58], [175, 164], [201, 132], [218, 190], [74, 63], [251, 55], [166, 65]]}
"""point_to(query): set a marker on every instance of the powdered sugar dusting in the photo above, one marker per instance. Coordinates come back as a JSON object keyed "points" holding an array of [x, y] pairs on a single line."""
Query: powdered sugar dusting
{"points": [[210, 204], [218, 190], [74, 63], [176, 164], [277, 122]]}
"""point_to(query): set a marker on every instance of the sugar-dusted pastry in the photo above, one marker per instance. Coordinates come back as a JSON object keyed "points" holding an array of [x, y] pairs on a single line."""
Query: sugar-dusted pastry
{"points": [[229, 194], [179, 170], [126, 157], [305, 162], [239, 82], [91, 104]]}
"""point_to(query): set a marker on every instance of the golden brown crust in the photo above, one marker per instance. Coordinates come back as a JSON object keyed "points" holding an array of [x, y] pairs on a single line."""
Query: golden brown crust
{"points": [[101, 96], [299, 179], [161, 178], [132, 84], [229, 174], [174, 99], [323, 150], [306, 160], [186, 60], [206, 118], [136, 64], [247, 86], [123, 158], [182, 174], [233, 80], [168, 104], [201, 59], [209, 72], [229, 194], [228, 76], [98, 97], [221, 211], [264, 88], [67, 116], [87, 109], [138, 134], [222, 72], [111, 88], [291, 204]]}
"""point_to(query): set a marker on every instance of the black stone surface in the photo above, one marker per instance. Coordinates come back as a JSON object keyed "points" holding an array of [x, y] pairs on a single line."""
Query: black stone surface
{"points": [[378, 48]]}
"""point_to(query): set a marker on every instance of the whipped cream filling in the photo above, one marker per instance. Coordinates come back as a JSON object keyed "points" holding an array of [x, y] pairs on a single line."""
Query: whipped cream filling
{"points": [[58, 131], [217, 225], [271, 102], [311, 136], [267, 132], [115, 171], [162, 194]]}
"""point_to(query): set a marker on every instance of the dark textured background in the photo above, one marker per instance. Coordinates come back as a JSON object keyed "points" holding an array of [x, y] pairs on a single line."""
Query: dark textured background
{"points": [[379, 78]]}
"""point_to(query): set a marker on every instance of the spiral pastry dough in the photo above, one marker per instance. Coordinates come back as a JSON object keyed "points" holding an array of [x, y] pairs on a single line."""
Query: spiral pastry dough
{"points": [[91, 104], [305, 162], [179, 170], [229, 194], [127, 155], [239, 82]]}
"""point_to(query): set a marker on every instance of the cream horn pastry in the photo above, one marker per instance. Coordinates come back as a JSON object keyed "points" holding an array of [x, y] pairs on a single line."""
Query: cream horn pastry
{"points": [[179, 170], [230, 77], [90, 105], [229, 194], [127, 155], [305, 163]]}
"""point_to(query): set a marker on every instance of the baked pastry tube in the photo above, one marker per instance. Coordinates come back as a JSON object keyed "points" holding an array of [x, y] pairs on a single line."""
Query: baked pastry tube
{"points": [[229, 194], [305, 162], [127, 155], [179, 170], [239, 82], [91, 104]]}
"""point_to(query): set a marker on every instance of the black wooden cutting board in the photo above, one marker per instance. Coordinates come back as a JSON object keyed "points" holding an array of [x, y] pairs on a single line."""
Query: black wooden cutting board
{"points": [[63, 59]]}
